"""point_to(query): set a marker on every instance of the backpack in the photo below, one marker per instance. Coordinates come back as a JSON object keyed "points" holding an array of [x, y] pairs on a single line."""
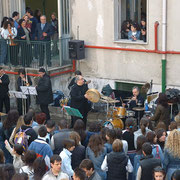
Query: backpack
{"points": [[22, 138], [157, 156]]}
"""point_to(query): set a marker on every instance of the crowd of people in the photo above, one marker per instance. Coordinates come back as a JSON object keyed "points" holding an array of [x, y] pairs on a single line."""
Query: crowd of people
{"points": [[19, 35]]}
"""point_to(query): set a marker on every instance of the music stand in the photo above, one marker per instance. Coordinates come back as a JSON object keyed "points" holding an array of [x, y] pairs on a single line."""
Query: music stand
{"points": [[28, 90], [73, 112]]}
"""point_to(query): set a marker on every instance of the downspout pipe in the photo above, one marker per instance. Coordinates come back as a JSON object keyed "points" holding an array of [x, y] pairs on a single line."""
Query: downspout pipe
{"points": [[164, 43]]}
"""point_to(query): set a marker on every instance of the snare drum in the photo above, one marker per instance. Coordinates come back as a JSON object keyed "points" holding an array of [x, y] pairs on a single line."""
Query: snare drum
{"points": [[115, 123], [121, 112], [130, 113]]}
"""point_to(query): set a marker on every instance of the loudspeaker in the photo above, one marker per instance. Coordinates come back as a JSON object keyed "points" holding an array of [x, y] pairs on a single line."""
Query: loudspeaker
{"points": [[76, 49]]}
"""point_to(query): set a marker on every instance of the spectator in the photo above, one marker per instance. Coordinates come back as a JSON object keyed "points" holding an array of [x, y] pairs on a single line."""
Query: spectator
{"points": [[125, 28], [134, 34], [172, 126], [177, 119], [41, 147], [17, 153], [78, 154], [162, 111], [15, 16], [54, 37], [110, 137], [172, 153], [147, 164], [161, 137], [103, 134], [79, 174], [139, 155], [40, 119], [119, 136], [32, 112], [28, 22], [96, 152], [20, 176], [159, 173], [2, 158], [161, 125], [143, 29], [44, 31], [116, 163], [50, 126], [65, 155], [33, 25], [37, 14], [144, 123], [176, 175], [39, 167], [27, 127], [23, 34], [88, 167], [8, 172], [55, 171], [29, 159], [156, 149]]}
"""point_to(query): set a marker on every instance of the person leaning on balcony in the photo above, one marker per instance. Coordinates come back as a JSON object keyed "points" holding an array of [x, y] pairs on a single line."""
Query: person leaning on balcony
{"points": [[44, 31], [23, 35], [134, 34]]}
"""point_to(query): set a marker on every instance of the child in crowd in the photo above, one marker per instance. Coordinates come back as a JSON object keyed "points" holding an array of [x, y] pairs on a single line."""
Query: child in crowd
{"points": [[159, 173], [17, 153]]}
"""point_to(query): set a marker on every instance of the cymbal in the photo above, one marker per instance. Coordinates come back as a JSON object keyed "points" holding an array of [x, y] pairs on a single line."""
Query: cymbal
{"points": [[126, 99], [138, 109], [2, 114], [109, 101], [106, 98]]}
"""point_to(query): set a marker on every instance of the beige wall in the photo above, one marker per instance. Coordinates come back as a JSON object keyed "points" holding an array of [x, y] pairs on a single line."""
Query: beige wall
{"points": [[96, 27]]}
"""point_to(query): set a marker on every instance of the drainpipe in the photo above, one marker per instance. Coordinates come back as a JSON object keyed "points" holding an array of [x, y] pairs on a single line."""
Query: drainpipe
{"points": [[164, 44]]}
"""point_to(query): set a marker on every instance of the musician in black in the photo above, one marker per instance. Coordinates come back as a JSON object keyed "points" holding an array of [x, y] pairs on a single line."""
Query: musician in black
{"points": [[23, 80], [4, 96], [79, 99]]}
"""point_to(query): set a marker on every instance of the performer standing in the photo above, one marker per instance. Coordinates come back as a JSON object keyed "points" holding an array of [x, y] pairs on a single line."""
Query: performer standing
{"points": [[23, 80], [44, 92], [79, 99], [4, 97]]}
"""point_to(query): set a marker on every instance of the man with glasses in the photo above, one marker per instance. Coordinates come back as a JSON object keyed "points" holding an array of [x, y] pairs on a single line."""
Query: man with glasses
{"points": [[79, 99]]}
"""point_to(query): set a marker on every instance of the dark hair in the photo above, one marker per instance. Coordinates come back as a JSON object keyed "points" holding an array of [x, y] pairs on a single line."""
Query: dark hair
{"points": [[21, 21], [20, 176], [30, 12], [118, 133], [8, 171], [39, 167], [173, 125], [130, 124], [103, 134], [27, 8], [150, 137], [63, 124], [159, 132], [117, 145], [1, 68], [14, 14], [161, 125], [163, 100], [111, 134], [50, 124], [124, 25], [22, 71], [176, 175], [2, 157], [42, 131], [95, 126], [42, 70], [80, 173], [68, 143], [135, 25], [36, 14], [86, 164], [28, 118], [75, 136], [54, 158], [32, 112], [3, 21], [40, 118], [77, 72], [140, 141], [143, 124], [79, 127], [147, 148], [29, 158], [19, 149], [159, 169], [11, 119], [96, 144]]}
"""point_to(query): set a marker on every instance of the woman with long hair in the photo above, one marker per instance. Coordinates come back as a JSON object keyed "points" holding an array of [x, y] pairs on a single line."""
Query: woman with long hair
{"points": [[96, 152], [172, 153], [162, 111], [161, 137]]}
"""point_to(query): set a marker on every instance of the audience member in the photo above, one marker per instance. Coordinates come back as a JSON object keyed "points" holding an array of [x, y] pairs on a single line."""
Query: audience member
{"points": [[125, 28], [40, 119], [79, 174], [50, 126], [159, 173], [134, 33], [143, 29], [161, 137], [172, 126], [177, 119], [176, 175], [20, 176], [2, 158], [110, 137], [8, 172], [37, 14], [15, 16]]}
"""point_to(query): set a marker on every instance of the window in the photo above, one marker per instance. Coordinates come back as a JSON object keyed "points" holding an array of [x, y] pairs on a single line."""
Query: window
{"points": [[130, 20]]}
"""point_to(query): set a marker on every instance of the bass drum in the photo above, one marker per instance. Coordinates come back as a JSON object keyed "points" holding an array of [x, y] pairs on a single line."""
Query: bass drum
{"points": [[115, 123]]}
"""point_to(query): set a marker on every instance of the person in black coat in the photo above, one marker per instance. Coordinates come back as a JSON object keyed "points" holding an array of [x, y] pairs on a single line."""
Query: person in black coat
{"points": [[26, 47], [4, 97], [23, 80], [44, 31], [44, 92], [79, 99]]}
